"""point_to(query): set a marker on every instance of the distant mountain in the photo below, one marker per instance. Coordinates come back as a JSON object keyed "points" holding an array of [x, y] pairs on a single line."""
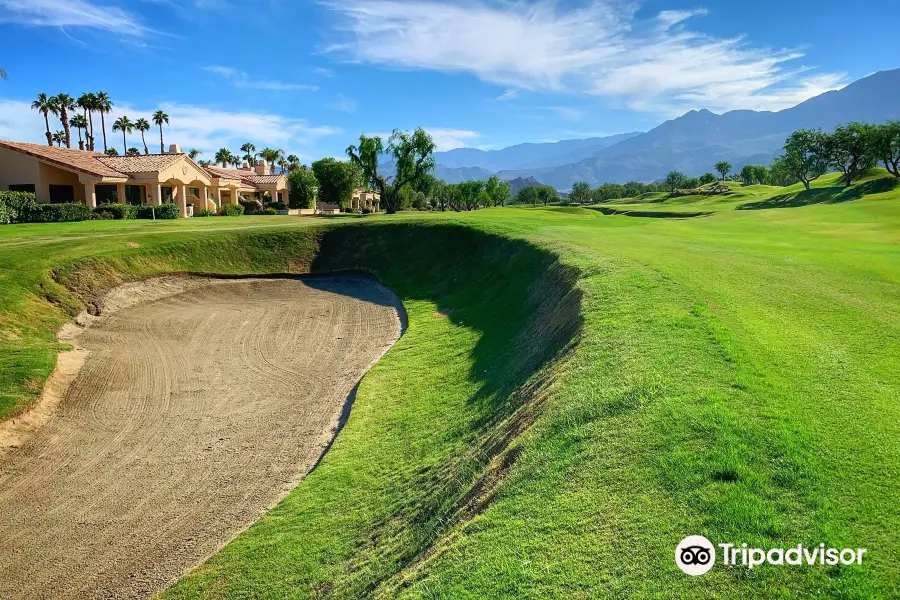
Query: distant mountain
{"points": [[524, 156], [460, 174], [518, 184], [694, 142]]}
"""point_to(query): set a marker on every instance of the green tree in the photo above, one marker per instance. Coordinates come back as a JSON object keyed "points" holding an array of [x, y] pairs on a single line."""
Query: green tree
{"points": [[632, 189], [249, 151], [337, 180], [87, 103], [724, 168], [497, 191], [193, 153], [65, 103], [111, 152], [885, 142], [441, 194], [707, 178], [413, 155], [221, 157], [779, 174], [849, 149], [581, 193], [160, 118], [143, 125], [124, 125], [607, 192], [270, 155], [60, 138], [674, 180], [133, 152], [45, 105], [103, 105], [805, 155], [304, 188], [293, 162], [79, 123]]}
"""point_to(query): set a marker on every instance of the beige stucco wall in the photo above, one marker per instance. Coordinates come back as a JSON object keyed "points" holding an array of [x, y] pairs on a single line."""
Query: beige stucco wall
{"points": [[17, 168], [56, 176]]}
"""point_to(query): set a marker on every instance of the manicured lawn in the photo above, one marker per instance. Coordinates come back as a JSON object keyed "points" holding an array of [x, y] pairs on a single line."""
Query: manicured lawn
{"points": [[734, 376]]}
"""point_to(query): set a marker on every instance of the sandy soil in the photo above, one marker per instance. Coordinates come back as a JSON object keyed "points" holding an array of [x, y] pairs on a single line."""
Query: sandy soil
{"points": [[199, 405]]}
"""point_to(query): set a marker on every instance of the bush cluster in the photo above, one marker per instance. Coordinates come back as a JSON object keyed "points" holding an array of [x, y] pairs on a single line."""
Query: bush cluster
{"points": [[231, 210], [57, 213], [251, 207], [205, 212], [276, 205], [166, 210], [116, 211], [15, 206]]}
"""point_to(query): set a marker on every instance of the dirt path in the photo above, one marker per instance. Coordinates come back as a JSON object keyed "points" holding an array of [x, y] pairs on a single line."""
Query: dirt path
{"points": [[191, 416]]}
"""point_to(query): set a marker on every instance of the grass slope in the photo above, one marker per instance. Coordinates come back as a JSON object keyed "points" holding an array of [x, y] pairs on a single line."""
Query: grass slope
{"points": [[735, 376]]}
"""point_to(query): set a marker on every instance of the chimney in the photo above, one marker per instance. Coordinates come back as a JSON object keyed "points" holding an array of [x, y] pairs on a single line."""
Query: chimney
{"points": [[245, 166], [262, 168], [174, 149]]}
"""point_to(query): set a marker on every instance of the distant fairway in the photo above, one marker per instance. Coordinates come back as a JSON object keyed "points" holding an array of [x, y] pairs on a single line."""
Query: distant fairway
{"points": [[575, 393]]}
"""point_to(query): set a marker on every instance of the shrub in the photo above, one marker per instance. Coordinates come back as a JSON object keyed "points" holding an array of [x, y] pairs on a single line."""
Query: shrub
{"points": [[276, 205], [57, 213], [166, 210], [118, 211], [366, 211], [102, 215], [251, 207], [232, 210], [15, 206], [205, 212], [269, 211]]}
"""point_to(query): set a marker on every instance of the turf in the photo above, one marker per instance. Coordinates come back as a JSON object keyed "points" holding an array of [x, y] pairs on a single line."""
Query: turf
{"points": [[575, 393]]}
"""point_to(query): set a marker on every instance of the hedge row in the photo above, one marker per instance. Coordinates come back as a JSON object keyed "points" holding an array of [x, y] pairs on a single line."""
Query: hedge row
{"points": [[116, 211]]}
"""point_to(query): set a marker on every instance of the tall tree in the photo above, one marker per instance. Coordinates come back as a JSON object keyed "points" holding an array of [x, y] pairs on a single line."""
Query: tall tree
{"points": [[674, 180], [194, 153], [60, 138], [497, 190], [65, 103], [160, 118], [249, 151], [143, 125], [849, 150], [87, 102], [886, 146], [805, 155], [111, 152], [45, 105], [413, 155], [124, 125], [79, 123], [103, 106], [724, 168], [133, 152], [234, 160], [222, 156], [293, 162], [581, 193], [270, 155], [304, 188], [707, 178], [337, 180]]}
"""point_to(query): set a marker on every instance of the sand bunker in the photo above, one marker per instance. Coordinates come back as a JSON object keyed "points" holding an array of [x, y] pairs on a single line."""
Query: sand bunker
{"points": [[194, 412]]}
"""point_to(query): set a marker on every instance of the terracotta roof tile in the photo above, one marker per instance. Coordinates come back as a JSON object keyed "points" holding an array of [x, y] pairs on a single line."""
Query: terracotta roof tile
{"points": [[245, 176], [78, 160], [145, 163]]}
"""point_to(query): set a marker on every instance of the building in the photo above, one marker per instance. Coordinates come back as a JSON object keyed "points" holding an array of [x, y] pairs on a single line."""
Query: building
{"points": [[60, 175], [363, 198]]}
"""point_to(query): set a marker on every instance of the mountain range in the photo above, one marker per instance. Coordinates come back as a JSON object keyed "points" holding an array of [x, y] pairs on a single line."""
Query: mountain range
{"points": [[692, 143]]}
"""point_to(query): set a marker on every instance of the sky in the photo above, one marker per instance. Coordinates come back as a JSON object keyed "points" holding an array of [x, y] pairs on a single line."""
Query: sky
{"points": [[310, 76]]}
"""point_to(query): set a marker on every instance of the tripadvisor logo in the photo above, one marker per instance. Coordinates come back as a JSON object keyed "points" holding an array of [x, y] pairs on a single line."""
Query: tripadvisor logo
{"points": [[696, 555]]}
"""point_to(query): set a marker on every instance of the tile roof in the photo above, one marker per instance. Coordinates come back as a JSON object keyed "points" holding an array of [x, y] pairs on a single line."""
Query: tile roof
{"points": [[245, 176], [79, 160], [145, 163]]}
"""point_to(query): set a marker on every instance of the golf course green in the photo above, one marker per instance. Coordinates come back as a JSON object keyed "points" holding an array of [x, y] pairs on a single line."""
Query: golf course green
{"points": [[575, 393]]}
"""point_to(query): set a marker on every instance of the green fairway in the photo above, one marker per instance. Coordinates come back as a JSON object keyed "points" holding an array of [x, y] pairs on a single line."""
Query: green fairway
{"points": [[575, 392]]}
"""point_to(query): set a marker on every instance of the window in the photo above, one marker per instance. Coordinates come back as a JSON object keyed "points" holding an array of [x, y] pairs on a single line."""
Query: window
{"points": [[61, 194], [194, 192], [22, 187], [134, 194]]}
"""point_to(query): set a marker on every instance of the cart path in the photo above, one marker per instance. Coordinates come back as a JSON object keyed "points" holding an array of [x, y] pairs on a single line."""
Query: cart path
{"points": [[192, 415]]}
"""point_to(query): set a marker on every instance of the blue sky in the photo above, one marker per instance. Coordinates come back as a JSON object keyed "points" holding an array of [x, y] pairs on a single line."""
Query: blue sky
{"points": [[309, 77]]}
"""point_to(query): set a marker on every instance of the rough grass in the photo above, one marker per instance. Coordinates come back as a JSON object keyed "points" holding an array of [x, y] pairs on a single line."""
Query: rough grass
{"points": [[735, 376]]}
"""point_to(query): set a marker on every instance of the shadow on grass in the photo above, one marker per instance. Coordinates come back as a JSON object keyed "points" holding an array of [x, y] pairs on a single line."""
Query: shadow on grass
{"points": [[655, 214], [829, 195]]}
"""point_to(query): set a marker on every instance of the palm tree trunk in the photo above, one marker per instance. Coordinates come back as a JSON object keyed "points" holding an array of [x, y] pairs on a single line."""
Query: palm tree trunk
{"points": [[162, 145], [103, 125], [80, 143], [124, 144], [90, 137], [146, 150], [64, 116], [49, 136]]}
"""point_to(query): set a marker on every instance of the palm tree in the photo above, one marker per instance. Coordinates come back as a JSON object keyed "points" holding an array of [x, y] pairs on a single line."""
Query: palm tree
{"points": [[60, 138], [112, 152], [293, 162], [143, 125], [79, 123], [234, 160], [64, 104], [269, 155], [103, 106], [45, 105], [3, 74], [194, 153], [86, 103], [133, 152], [124, 125], [249, 151], [159, 117], [282, 163], [222, 156]]}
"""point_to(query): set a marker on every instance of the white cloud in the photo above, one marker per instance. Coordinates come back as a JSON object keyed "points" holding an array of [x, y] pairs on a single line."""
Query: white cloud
{"points": [[70, 13], [448, 139], [507, 95], [602, 49], [189, 126], [241, 79], [342, 104]]}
